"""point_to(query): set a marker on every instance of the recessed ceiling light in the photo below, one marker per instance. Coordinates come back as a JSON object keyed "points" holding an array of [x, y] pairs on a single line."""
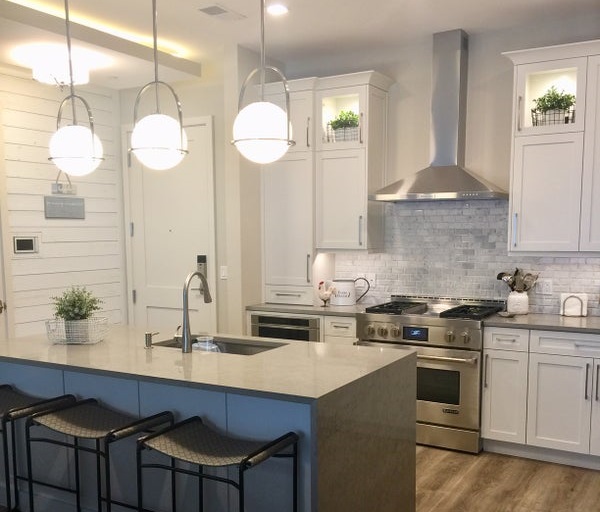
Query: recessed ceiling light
{"points": [[277, 9]]}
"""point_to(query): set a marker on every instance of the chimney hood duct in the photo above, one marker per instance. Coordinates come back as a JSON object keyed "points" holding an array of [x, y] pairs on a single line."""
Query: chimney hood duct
{"points": [[445, 178]]}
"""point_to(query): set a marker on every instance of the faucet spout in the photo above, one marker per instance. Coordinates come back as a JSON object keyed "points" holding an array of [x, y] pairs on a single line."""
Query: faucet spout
{"points": [[186, 338]]}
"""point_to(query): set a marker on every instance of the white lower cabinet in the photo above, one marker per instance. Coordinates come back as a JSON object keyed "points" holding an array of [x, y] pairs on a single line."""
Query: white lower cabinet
{"points": [[564, 408], [339, 329], [559, 402], [542, 388], [504, 395]]}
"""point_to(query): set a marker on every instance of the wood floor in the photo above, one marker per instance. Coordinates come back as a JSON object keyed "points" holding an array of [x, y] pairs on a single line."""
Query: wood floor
{"points": [[457, 482]]}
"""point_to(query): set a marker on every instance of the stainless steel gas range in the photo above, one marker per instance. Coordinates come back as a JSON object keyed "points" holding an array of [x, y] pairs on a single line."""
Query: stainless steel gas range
{"points": [[448, 337]]}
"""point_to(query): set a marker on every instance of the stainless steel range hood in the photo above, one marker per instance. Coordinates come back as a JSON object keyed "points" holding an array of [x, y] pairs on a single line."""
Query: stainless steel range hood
{"points": [[446, 178]]}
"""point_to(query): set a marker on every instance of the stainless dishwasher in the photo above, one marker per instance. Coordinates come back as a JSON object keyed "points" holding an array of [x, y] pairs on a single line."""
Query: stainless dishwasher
{"points": [[284, 326]]}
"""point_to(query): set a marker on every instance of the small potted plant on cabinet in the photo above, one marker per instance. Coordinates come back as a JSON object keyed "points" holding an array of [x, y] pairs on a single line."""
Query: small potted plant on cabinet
{"points": [[74, 318], [553, 108], [345, 126]]}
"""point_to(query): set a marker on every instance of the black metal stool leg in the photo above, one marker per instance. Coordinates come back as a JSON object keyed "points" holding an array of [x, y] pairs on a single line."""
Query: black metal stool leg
{"points": [[77, 482], [29, 468], [107, 491], [173, 486], [241, 489], [138, 473], [200, 489], [13, 436], [295, 477], [6, 463]]}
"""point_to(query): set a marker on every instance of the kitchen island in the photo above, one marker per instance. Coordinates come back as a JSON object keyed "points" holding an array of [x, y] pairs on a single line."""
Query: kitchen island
{"points": [[353, 407]]}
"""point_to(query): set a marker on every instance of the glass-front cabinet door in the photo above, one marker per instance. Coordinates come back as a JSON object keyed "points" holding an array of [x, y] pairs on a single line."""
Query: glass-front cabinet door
{"points": [[550, 97], [342, 118]]}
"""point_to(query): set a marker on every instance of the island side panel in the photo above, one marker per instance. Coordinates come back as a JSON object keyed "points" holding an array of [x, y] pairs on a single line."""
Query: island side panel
{"points": [[366, 442]]}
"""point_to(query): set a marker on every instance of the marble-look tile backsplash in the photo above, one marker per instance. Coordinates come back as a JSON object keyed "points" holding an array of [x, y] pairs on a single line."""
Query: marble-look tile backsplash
{"points": [[456, 249]]}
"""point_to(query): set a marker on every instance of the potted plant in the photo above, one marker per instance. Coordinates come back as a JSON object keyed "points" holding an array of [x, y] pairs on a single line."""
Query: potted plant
{"points": [[345, 126], [75, 307], [553, 108]]}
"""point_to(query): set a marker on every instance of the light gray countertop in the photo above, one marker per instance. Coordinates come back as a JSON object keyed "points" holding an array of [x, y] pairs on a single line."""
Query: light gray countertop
{"points": [[584, 324], [299, 371]]}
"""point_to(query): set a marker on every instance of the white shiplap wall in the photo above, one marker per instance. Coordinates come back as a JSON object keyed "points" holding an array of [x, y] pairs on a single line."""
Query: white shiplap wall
{"points": [[86, 252]]}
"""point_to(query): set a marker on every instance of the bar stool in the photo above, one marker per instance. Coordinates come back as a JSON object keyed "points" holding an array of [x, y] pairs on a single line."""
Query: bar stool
{"points": [[193, 442], [15, 405], [87, 419]]}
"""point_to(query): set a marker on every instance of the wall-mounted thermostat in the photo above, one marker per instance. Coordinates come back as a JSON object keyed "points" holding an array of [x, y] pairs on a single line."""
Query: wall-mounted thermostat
{"points": [[25, 244]]}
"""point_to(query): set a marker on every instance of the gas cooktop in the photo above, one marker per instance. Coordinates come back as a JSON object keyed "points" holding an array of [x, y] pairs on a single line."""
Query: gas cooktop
{"points": [[436, 306]]}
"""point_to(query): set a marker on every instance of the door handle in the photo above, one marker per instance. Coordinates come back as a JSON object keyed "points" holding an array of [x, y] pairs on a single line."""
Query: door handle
{"points": [[587, 378], [485, 383], [597, 375], [470, 360]]}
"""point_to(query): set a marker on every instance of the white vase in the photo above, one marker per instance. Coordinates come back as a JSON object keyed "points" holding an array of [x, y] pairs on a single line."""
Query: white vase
{"points": [[517, 303]]}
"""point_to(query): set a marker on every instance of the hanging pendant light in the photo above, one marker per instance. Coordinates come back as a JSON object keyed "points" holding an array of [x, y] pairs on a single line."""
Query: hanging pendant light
{"points": [[74, 149], [158, 141], [262, 130]]}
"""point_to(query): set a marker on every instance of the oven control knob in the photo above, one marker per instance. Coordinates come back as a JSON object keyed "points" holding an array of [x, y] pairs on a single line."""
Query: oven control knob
{"points": [[370, 330], [450, 336], [383, 332], [466, 337], [395, 331]]}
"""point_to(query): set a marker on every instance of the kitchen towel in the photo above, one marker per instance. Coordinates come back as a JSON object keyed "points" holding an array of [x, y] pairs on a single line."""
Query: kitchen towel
{"points": [[573, 304]]}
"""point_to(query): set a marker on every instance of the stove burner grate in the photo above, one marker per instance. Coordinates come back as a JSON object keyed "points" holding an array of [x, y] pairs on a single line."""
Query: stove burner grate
{"points": [[398, 307], [472, 312]]}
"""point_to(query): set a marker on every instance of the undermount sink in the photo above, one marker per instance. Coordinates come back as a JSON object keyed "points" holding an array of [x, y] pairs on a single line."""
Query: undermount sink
{"points": [[225, 346]]}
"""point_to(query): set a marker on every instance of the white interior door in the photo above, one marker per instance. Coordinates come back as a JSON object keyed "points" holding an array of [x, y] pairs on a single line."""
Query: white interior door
{"points": [[172, 221]]}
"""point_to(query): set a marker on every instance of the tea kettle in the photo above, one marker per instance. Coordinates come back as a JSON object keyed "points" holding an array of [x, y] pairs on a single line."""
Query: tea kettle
{"points": [[345, 291]]}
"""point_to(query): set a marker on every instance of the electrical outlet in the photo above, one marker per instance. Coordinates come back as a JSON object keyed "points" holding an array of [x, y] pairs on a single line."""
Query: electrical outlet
{"points": [[369, 277], [544, 286]]}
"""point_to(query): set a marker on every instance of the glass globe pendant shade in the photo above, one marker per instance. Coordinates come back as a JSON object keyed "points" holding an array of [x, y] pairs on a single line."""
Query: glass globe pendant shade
{"points": [[158, 142], [260, 132], [75, 150]]}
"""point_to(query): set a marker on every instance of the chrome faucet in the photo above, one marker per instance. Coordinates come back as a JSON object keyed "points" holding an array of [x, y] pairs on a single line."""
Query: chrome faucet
{"points": [[186, 338]]}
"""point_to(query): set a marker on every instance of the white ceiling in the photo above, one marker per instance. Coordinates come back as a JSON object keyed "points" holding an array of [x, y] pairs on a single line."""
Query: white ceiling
{"points": [[311, 28]]}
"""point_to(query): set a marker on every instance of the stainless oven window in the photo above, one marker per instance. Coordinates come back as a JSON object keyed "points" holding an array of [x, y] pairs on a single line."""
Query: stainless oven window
{"points": [[287, 333], [442, 386]]}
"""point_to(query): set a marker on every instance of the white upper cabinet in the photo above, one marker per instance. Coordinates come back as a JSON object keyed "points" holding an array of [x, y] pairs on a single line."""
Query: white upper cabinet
{"points": [[534, 80], [351, 161], [555, 173], [590, 203]]}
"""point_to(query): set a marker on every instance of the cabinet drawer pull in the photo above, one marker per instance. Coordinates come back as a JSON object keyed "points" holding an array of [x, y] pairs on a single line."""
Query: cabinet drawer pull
{"points": [[283, 294], [509, 340], [587, 378], [588, 346], [341, 326]]}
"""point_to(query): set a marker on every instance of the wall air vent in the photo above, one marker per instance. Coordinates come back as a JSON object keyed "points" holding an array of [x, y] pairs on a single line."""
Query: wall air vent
{"points": [[222, 13]]}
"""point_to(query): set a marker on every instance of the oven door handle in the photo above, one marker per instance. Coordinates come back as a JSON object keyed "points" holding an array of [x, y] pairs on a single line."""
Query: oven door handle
{"points": [[470, 360]]}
